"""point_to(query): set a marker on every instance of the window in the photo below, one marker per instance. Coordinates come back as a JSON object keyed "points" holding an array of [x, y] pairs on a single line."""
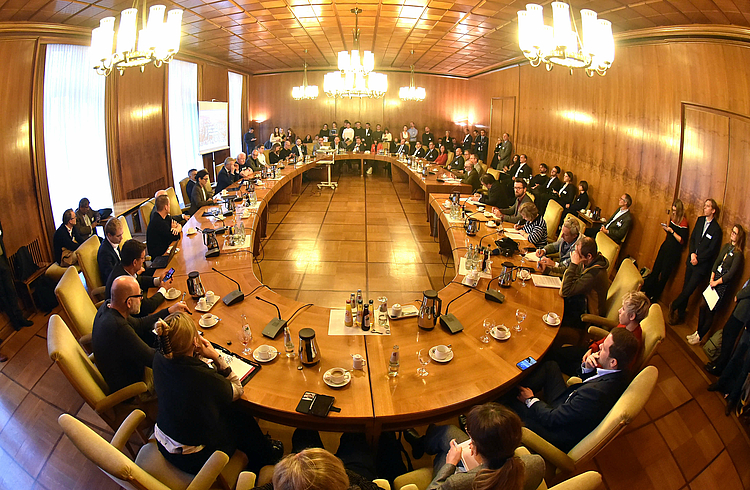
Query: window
{"points": [[183, 119], [75, 143], [235, 113]]}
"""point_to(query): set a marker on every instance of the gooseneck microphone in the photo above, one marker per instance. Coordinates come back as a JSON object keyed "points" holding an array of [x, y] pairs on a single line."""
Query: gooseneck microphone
{"points": [[276, 325], [235, 296], [449, 320]]}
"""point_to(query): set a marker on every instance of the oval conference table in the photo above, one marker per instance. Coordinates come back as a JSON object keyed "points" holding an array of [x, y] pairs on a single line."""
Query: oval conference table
{"points": [[372, 401]]}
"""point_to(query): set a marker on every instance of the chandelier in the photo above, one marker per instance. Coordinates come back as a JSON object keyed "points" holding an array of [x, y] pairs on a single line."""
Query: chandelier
{"points": [[561, 44], [157, 41], [411, 92], [305, 91], [355, 77]]}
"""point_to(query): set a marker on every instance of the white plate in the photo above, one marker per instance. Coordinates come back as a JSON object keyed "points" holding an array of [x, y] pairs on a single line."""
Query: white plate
{"points": [[551, 324], [500, 333], [274, 353], [209, 324], [209, 305], [176, 295], [406, 312], [327, 379], [491, 224], [447, 359]]}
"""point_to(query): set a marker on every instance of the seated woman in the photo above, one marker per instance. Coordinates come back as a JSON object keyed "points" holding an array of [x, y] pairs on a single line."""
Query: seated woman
{"points": [[197, 415], [535, 228], [308, 139], [495, 434], [442, 158], [580, 203]]}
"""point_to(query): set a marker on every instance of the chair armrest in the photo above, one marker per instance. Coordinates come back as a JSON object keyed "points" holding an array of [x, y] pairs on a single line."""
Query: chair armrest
{"points": [[420, 478], [597, 333], [409, 486], [210, 471], [120, 396], [126, 429], [550, 453], [573, 380], [599, 321], [99, 303], [246, 481], [98, 292], [383, 484]]}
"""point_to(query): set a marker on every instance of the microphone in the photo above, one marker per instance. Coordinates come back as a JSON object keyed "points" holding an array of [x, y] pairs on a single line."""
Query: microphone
{"points": [[235, 296], [276, 325], [449, 320], [493, 294]]}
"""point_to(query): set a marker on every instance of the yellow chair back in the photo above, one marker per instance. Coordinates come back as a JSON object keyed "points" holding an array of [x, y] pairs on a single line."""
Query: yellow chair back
{"points": [[76, 303], [552, 216], [654, 333], [86, 254], [126, 235], [626, 280], [609, 248], [174, 204], [183, 189], [145, 211]]}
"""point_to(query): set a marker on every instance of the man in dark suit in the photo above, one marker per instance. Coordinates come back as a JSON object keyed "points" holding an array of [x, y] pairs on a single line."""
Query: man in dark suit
{"points": [[201, 196], [162, 229], [468, 140], [704, 244], [471, 176], [548, 190], [567, 414], [512, 214], [402, 148], [299, 150], [8, 294], [108, 255], [133, 256], [432, 152], [481, 144], [66, 237], [418, 151], [617, 226], [368, 135], [522, 170], [457, 164], [506, 150], [190, 184], [496, 195], [227, 175]]}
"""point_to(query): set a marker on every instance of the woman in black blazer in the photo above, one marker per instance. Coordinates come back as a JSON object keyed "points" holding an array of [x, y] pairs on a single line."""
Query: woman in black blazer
{"points": [[567, 192], [580, 203]]}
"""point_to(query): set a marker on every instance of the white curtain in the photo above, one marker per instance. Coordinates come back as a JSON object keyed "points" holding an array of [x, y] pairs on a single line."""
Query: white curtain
{"points": [[75, 143], [235, 113], [183, 120]]}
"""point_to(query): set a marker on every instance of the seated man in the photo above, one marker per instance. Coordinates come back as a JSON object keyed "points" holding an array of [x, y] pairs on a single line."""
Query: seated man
{"points": [[251, 164], [540, 180], [618, 225], [121, 342], [66, 240], [418, 151], [202, 193], [227, 175], [496, 195], [432, 152], [285, 151], [567, 414], [559, 250], [457, 164], [162, 229], [471, 176], [402, 148], [133, 255], [316, 145], [86, 219], [299, 149], [521, 169], [584, 283], [244, 168], [108, 255], [512, 214], [191, 182]]}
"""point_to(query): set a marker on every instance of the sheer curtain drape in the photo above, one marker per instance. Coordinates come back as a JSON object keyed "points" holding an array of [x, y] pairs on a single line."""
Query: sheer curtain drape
{"points": [[235, 113], [75, 143], [183, 119]]}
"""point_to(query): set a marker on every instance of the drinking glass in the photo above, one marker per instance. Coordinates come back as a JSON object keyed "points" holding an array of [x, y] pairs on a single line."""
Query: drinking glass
{"points": [[488, 326], [524, 276], [246, 336], [520, 317], [424, 359]]}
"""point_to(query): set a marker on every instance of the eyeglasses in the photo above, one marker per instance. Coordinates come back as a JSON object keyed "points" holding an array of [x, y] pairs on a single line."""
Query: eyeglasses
{"points": [[139, 296]]}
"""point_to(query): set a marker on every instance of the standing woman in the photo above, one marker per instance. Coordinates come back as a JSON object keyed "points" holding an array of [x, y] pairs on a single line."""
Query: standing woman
{"points": [[324, 132], [669, 253], [405, 133], [197, 413], [334, 130], [727, 267]]}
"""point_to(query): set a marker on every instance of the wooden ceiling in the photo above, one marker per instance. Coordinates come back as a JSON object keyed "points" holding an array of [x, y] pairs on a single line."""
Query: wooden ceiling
{"points": [[452, 37]]}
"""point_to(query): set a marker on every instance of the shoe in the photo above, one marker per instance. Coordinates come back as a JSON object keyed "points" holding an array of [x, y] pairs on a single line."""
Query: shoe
{"points": [[714, 370], [709, 365], [416, 442], [462, 420], [714, 387], [694, 338], [277, 450], [3, 358], [730, 408], [21, 322]]}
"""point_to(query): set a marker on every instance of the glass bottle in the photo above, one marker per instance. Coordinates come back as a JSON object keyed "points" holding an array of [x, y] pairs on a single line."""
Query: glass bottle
{"points": [[394, 362], [348, 321]]}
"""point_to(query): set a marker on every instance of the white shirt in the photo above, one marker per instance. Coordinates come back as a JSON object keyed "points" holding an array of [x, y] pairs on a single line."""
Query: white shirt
{"points": [[348, 134], [619, 213], [116, 247]]}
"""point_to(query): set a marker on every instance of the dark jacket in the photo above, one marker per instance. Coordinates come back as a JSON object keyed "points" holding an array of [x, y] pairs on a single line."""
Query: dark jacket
{"points": [[148, 305], [504, 155], [457, 164], [225, 179], [619, 227], [567, 195], [200, 198], [742, 308], [472, 178], [418, 153], [159, 235], [580, 203], [63, 239], [496, 196], [431, 155], [107, 258], [591, 282], [705, 246], [523, 173], [512, 214]]}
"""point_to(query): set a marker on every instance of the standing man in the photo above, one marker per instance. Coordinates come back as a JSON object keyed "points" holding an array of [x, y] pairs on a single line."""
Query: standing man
{"points": [[505, 153], [378, 133], [368, 135], [66, 240], [250, 141], [8, 295], [448, 142], [482, 145], [703, 246], [427, 137], [359, 131], [468, 140], [413, 132]]}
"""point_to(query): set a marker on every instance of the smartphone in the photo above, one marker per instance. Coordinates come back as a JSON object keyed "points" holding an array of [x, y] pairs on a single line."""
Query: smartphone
{"points": [[169, 274], [526, 363]]}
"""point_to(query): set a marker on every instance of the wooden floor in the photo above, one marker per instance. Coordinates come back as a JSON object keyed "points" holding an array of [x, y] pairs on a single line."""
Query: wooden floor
{"points": [[682, 439]]}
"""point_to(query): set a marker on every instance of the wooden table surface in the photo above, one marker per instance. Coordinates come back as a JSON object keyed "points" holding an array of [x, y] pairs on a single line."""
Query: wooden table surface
{"points": [[372, 401]]}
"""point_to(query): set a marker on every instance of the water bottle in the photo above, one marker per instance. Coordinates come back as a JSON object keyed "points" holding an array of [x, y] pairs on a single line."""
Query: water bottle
{"points": [[288, 344], [394, 362]]}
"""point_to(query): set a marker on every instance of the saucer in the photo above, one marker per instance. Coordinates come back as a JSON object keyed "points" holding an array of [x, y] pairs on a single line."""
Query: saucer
{"points": [[548, 322], [434, 358], [175, 295], [500, 333], [327, 379], [191, 231], [274, 353], [490, 224], [209, 324]]}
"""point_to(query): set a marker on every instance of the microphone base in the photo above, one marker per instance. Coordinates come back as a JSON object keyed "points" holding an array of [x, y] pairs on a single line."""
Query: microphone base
{"points": [[212, 252], [234, 297], [274, 327], [451, 323], [494, 295]]}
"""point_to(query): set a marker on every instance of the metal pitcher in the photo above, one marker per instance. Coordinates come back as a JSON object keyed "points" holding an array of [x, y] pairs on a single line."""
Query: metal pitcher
{"points": [[309, 354], [430, 310], [472, 226], [507, 275], [194, 285]]}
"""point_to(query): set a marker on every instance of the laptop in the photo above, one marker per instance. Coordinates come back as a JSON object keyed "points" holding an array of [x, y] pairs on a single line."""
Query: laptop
{"points": [[162, 261]]}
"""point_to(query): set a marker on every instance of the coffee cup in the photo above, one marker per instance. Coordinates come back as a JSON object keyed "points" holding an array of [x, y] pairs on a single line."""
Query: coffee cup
{"points": [[210, 296], [553, 317], [358, 362], [224, 192], [442, 351], [191, 231], [171, 292], [208, 318], [396, 310], [487, 214], [264, 351], [337, 375], [480, 208], [202, 303]]}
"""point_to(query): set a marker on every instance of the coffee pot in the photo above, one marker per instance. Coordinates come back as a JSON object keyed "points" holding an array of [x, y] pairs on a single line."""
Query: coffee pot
{"points": [[309, 354], [430, 310], [211, 243], [456, 198], [507, 275], [194, 285], [472, 226]]}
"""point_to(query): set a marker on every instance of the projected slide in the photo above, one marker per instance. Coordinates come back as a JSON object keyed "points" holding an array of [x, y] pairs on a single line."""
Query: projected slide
{"points": [[213, 124]]}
